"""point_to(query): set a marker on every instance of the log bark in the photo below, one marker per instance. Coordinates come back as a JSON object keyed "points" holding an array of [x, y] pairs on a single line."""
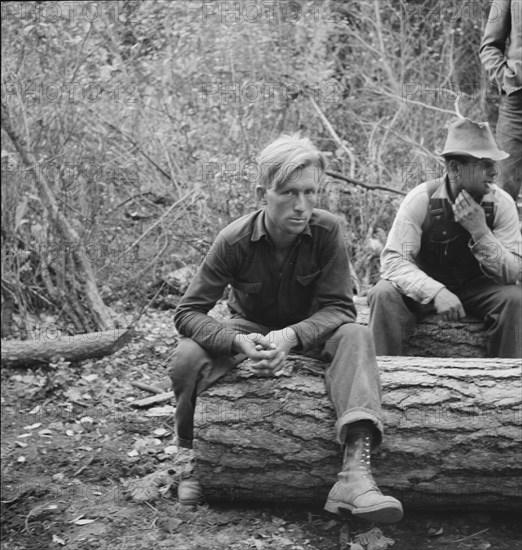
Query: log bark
{"points": [[73, 348], [452, 434]]}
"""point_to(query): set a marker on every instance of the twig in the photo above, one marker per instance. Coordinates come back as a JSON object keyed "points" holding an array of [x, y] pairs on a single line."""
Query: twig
{"points": [[146, 387], [84, 467], [138, 148], [334, 134], [148, 401], [157, 222], [474, 535], [365, 185], [413, 101], [150, 506]]}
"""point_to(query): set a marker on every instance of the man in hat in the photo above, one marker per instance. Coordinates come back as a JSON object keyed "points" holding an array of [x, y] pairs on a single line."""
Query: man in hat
{"points": [[454, 248], [501, 56], [288, 268]]}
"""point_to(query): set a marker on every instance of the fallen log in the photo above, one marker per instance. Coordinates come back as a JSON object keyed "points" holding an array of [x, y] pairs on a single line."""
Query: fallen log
{"points": [[49, 347], [452, 434]]}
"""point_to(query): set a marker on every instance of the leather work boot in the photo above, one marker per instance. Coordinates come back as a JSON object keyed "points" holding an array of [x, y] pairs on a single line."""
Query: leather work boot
{"points": [[356, 490], [190, 492]]}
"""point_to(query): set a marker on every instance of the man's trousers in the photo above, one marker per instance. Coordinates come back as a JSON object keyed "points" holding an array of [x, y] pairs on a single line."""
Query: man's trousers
{"points": [[509, 138], [393, 315], [352, 377]]}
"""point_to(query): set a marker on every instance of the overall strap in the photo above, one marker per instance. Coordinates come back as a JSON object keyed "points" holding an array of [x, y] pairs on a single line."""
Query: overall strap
{"points": [[438, 207]]}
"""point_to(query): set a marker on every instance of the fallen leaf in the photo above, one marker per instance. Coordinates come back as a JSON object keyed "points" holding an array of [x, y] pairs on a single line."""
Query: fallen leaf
{"points": [[21, 444], [170, 525], [45, 433], [33, 426], [432, 532], [374, 540], [89, 377], [24, 435], [58, 540], [160, 431], [21, 459], [84, 521]]}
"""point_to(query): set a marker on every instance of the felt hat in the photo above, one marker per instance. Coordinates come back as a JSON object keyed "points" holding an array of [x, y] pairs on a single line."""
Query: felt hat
{"points": [[466, 137]]}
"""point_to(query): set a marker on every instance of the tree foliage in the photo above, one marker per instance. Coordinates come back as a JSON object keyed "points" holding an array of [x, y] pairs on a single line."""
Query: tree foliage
{"points": [[145, 118]]}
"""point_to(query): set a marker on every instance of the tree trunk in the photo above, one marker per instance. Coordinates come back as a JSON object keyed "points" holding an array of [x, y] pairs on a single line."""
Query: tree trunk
{"points": [[452, 434], [78, 347], [102, 315]]}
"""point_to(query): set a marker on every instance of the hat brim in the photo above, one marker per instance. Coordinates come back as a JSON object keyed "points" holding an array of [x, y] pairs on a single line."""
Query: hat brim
{"points": [[479, 154]]}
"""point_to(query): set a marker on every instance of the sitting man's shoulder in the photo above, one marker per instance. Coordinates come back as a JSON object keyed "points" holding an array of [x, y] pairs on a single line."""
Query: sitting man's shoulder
{"points": [[240, 229], [420, 195], [501, 197]]}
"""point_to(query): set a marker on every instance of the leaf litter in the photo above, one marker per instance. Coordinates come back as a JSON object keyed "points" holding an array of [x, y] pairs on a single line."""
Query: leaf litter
{"points": [[90, 402]]}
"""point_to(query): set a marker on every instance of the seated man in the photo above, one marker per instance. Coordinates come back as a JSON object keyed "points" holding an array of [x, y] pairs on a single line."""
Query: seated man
{"points": [[291, 289], [454, 248]]}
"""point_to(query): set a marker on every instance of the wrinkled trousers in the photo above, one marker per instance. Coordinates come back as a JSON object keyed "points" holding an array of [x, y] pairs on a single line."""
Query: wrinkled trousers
{"points": [[509, 138], [351, 377], [392, 315]]}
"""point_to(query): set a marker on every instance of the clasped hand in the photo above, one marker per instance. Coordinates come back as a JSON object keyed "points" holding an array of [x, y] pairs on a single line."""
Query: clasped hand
{"points": [[269, 351]]}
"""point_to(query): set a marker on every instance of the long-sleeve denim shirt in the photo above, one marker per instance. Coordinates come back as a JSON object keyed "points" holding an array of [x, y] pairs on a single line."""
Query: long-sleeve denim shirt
{"points": [[498, 251], [501, 48], [311, 294]]}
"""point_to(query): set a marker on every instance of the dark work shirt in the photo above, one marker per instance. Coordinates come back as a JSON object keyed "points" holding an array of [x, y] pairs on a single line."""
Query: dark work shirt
{"points": [[311, 292]]}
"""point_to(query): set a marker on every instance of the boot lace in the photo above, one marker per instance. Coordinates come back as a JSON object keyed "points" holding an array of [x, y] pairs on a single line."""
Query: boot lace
{"points": [[365, 462]]}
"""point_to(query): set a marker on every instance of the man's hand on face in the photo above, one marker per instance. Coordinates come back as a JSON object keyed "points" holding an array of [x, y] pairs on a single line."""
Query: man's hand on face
{"points": [[280, 342], [448, 306], [470, 215]]}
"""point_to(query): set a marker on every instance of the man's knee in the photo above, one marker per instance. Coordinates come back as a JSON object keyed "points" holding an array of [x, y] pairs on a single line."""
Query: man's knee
{"points": [[383, 292], [184, 365], [511, 301], [353, 332]]}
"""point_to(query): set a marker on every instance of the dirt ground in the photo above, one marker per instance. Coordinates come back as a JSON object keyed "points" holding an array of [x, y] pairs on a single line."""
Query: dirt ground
{"points": [[71, 444]]}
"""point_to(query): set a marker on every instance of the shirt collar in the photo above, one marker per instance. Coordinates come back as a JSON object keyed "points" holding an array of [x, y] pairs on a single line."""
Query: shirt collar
{"points": [[260, 231]]}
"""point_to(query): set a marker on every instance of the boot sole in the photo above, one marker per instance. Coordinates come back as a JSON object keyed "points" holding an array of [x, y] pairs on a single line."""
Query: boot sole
{"points": [[377, 514], [191, 502]]}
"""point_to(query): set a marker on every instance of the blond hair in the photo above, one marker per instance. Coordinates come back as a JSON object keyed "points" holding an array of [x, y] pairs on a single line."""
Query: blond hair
{"points": [[279, 160]]}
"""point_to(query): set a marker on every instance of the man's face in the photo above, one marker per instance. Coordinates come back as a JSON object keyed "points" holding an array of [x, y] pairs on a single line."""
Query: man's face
{"points": [[476, 175], [289, 207]]}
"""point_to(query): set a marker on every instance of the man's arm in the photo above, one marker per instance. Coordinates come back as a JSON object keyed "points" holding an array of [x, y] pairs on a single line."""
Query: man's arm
{"points": [[402, 247], [499, 251], [493, 45], [333, 294], [206, 288]]}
